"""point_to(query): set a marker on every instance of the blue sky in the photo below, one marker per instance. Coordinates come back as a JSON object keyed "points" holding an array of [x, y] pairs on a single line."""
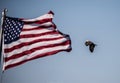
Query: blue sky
{"points": [[95, 20]]}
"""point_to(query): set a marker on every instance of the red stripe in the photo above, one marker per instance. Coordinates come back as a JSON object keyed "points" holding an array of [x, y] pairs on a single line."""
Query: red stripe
{"points": [[38, 21], [35, 49], [37, 28], [38, 35], [29, 43]]}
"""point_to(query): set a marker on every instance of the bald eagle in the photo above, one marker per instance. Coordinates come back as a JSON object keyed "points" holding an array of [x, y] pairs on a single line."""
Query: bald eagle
{"points": [[91, 45]]}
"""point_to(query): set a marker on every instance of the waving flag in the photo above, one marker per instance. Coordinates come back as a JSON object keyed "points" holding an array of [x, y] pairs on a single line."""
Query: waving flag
{"points": [[28, 39]]}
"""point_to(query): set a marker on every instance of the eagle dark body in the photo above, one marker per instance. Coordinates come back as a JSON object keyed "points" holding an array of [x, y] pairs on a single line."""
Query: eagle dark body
{"points": [[91, 45]]}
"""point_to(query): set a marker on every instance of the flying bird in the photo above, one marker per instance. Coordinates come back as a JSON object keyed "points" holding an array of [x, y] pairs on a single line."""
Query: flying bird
{"points": [[91, 45]]}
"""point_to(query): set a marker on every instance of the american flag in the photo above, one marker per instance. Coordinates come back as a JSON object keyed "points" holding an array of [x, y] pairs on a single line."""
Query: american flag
{"points": [[28, 39]]}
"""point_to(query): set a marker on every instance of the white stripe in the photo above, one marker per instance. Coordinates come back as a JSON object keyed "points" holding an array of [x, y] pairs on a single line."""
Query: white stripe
{"points": [[32, 39], [29, 47], [31, 26], [45, 16], [46, 50]]}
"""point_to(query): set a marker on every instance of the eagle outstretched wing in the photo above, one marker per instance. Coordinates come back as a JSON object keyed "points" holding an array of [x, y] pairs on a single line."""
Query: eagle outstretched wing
{"points": [[91, 47]]}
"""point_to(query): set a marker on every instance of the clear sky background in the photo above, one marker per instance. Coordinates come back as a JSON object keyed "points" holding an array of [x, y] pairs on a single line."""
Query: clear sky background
{"points": [[95, 20]]}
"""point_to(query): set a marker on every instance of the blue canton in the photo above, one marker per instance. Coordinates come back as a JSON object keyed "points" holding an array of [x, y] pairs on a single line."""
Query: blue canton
{"points": [[12, 29]]}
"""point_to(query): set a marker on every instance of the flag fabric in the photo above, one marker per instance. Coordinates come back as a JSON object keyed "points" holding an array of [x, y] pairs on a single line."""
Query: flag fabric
{"points": [[28, 39]]}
